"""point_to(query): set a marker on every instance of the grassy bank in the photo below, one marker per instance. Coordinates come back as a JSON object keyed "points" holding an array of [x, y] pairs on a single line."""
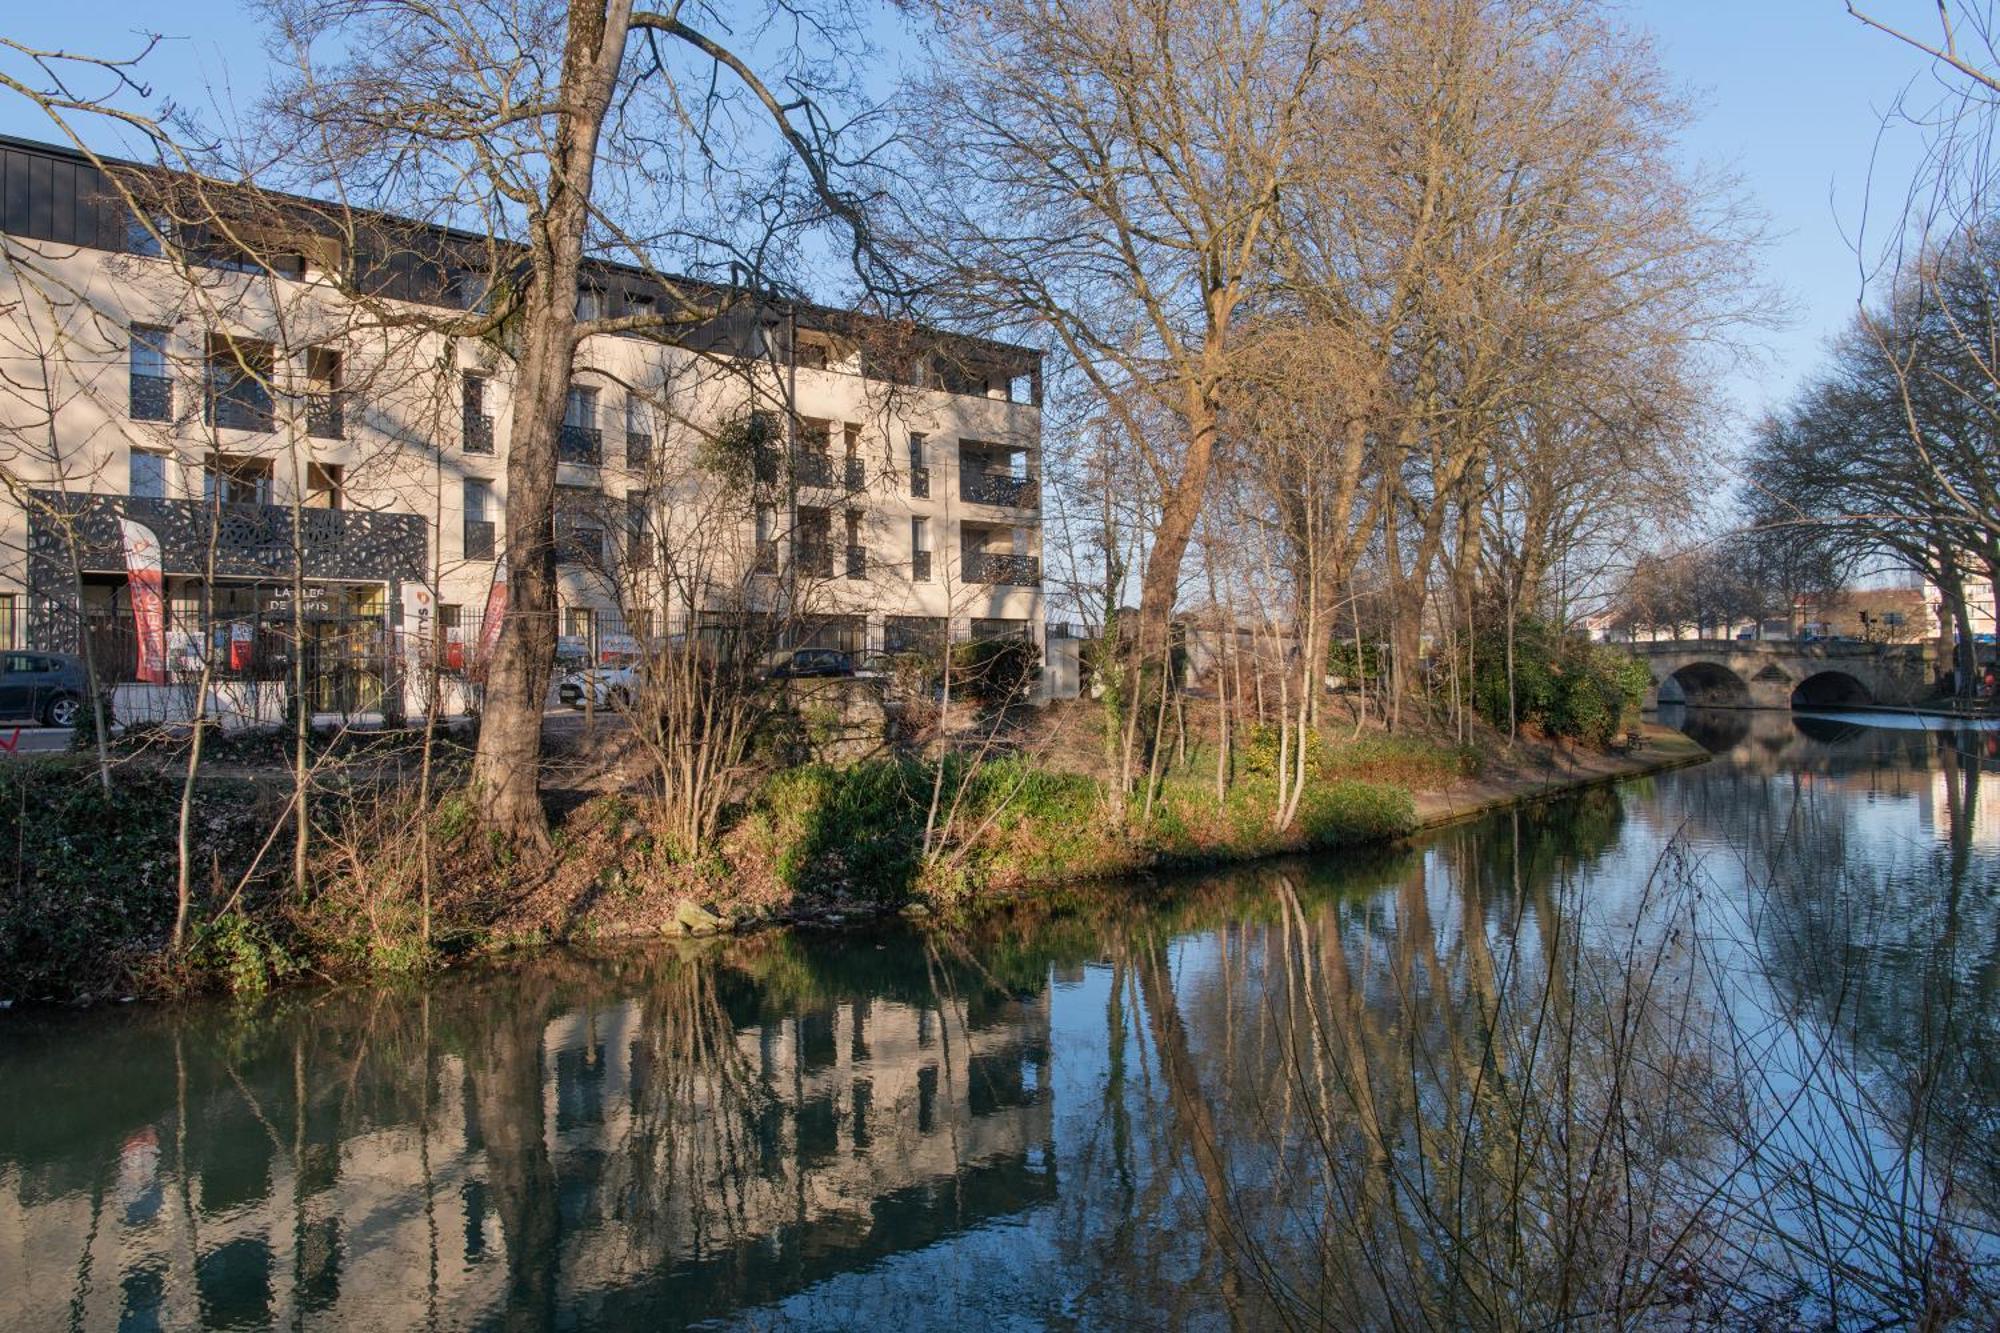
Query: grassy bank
{"points": [[89, 908]]}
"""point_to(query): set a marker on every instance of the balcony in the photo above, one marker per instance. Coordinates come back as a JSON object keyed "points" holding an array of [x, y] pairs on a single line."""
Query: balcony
{"points": [[232, 540], [579, 546], [920, 566], [813, 469], [479, 536], [920, 483], [1004, 568], [152, 398], [326, 417], [856, 476], [580, 444], [857, 562], [478, 433], [814, 559], [243, 405], [998, 488], [638, 449]]}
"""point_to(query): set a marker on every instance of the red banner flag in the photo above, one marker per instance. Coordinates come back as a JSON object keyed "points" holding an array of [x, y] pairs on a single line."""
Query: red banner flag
{"points": [[149, 608], [496, 611]]}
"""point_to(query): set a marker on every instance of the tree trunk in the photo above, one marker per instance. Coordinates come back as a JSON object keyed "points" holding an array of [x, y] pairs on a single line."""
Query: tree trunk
{"points": [[506, 769]]}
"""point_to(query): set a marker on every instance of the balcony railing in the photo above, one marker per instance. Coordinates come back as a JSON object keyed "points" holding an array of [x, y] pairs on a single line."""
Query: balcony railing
{"points": [[479, 539], [856, 475], [579, 546], [580, 444], [1002, 567], [767, 557], [478, 433], [814, 559], [998, 488], [638, 449], [920, 483], [857, 562], [920, 566], [813, 469], [152, 398], [244, 405], [639, 548], [326, 416]]}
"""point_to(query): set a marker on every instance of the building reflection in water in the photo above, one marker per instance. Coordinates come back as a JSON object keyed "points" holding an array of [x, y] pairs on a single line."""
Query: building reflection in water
{"points": [[694, 1144]]}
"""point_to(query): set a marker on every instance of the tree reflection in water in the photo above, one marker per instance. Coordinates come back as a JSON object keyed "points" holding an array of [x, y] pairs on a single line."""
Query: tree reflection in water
{"points": [[1718, 1047]]}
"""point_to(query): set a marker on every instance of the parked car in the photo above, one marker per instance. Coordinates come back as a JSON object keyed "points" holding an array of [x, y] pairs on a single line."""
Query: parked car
{"points": [[812, 663], [48, 687], [605, 687]]}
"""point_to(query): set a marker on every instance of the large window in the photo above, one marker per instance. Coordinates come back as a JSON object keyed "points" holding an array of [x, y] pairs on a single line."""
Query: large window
{"points": [[325, 418], [479, 525], [580, 441], [478, 437], [152, 388]]}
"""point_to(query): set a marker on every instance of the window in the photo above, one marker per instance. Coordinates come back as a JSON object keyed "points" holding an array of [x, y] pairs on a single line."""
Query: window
{"points": [[325, 486], [590, 303], [580, 441], [10, 619], [920, 549], [638, 432], [152, 389], [920, 476], [239, 378], [479, 528], [812, 355], [234, 479], [324, 418], [149, 476], [638, 304], [857, 554], [578, 621], [144, 236], [579, 525], [638, 527], [767, 538], [478, 438]]}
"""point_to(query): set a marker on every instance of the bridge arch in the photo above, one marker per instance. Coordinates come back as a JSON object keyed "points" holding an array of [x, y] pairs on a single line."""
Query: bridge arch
{"points": [[1830, 689], [1711, 685]]}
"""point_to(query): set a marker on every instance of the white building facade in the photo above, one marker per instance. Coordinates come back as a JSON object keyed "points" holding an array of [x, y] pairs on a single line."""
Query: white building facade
{"points": [[328, 477]]}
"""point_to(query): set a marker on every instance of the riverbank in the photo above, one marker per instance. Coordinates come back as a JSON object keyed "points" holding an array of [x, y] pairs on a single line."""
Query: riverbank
{"points": [[89, 909]]}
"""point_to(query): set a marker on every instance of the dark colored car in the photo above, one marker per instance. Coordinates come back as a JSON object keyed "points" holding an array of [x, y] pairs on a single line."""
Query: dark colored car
{"points": [[811, 663], [48, 687]]}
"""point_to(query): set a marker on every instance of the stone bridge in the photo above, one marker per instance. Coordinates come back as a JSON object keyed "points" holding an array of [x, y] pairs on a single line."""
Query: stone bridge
{"points": [[1731, 673]]}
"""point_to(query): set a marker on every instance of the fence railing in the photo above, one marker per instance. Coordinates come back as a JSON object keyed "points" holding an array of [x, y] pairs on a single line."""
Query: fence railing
{"points": [[998, 488], [1019, 571], [478, 433], [152, 398], [580, 444]]}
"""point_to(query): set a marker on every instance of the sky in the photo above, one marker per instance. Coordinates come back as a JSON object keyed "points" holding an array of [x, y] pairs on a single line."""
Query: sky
{"points": [[1788, 94]]}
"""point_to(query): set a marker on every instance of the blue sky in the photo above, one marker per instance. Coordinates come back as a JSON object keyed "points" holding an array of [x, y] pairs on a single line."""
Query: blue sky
{"points": [[1790, 94]]}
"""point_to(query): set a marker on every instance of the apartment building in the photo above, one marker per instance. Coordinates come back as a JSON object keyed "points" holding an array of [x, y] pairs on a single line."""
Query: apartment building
{"points": [[329, 479]]}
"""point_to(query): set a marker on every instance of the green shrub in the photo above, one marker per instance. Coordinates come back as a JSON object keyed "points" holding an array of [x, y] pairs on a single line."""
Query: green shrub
{"points": [[995, 671], [1563, 684], [91, 882]]}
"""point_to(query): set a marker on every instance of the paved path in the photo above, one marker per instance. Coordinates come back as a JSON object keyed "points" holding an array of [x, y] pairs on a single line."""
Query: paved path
{"points": [[34, 740]]}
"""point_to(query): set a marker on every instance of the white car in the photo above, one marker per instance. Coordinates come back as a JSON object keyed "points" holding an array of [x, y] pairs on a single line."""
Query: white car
{"points": [[605, 687]]}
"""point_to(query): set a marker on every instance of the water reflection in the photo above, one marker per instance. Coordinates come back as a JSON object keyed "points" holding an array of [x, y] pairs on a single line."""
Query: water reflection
{"points": [[1639, 1055]]}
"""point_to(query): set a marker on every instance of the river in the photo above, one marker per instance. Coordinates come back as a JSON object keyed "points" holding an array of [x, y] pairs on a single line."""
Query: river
{"points": [[1719, 1046]]}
